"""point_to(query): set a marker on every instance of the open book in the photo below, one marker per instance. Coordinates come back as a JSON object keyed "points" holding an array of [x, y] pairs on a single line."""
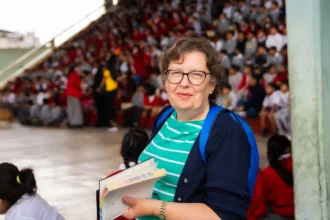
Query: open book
{"points": [[137, 182]]}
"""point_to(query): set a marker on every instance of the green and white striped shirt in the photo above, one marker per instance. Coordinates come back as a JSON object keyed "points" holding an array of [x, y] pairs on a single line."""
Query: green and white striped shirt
{"points": [[170, 148]]}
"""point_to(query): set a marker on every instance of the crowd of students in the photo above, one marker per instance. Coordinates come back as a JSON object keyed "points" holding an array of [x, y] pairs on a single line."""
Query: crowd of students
{"points": [[250, 36]]}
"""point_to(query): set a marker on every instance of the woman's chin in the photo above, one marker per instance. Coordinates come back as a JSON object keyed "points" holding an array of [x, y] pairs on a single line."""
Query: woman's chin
{"points": [[182, 106]]}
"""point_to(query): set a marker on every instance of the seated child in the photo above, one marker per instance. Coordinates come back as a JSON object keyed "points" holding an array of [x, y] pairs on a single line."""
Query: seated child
{"points": [[270, 106], [152, 106], [164, 98], [282, 117], [274, 185], [270, 75], [243, 87], [257, 209], [40, 115], [282, 75], [256, 95], [132, 145], [132, 116], [227, 99], [58, 115], [278, 177], [19, 198], [89, 110]]}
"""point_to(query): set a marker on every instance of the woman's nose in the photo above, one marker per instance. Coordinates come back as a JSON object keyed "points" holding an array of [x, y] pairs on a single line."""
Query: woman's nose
{"points": [[185, 81]]}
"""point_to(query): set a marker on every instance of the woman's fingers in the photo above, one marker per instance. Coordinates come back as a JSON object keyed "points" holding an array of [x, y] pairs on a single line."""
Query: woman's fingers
{"points": [[128, 214], [129, 201]]}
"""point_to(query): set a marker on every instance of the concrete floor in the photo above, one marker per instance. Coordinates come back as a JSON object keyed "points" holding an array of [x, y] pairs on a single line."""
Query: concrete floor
{"points": [[69, 163]]}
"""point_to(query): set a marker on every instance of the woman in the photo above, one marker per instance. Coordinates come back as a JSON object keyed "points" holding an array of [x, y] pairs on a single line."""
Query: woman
{"points": [[74, 94], [19, 198], [217, 189]]}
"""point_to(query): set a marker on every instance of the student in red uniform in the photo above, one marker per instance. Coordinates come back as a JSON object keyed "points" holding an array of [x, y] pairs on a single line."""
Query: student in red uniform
{"points": [[257, 210], [74, 94], [278, 178], [132, 145], [274, 185], [151, 103]]}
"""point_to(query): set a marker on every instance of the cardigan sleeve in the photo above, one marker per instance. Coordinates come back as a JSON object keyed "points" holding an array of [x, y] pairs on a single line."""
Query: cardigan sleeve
{"points": [[227, 165]]}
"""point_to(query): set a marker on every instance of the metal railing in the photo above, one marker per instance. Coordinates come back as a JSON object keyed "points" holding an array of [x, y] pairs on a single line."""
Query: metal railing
{"points": [[38, 54]]}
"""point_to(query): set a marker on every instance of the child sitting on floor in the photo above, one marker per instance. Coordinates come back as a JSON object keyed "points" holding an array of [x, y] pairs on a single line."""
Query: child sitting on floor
{"points": [[282, 117], [151, 106], [19, 198], [228, 98], [270, 106], [132, 145], [273, 195], [278, 179]]}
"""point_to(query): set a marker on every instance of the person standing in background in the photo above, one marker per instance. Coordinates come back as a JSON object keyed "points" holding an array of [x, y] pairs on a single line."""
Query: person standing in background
{"points": [[99, 97], [74, 94], [109, 86]]}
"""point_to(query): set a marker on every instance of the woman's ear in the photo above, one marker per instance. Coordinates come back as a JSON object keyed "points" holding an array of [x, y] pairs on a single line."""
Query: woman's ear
{"points": [[213, 84]]}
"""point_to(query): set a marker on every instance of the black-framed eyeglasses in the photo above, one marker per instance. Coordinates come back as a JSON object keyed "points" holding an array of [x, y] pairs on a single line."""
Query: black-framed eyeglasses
{"points": [[195, 77]]}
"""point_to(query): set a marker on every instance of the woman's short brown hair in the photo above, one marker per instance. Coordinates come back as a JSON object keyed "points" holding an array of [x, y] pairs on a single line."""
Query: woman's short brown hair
{"points": [[187, 45]]}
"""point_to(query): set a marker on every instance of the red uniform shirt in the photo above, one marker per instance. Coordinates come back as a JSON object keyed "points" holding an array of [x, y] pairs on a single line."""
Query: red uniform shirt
{"points": [[277, 192], [257, 209], [153, 102], [73, 86]]}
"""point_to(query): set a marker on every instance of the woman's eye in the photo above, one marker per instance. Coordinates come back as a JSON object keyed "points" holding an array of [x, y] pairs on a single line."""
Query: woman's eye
{"points": [[197, 75], [176, 73]]}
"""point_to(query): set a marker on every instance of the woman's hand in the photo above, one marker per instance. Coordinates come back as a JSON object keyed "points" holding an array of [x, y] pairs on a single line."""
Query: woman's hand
{"points": [[141, 207]]}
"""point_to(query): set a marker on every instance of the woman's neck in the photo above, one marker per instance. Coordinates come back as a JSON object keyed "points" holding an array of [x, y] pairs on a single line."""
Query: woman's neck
{"points": [[198, 114]]}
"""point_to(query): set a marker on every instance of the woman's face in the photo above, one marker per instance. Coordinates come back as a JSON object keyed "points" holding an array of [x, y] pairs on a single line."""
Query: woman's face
{"points": [[186, 96]]}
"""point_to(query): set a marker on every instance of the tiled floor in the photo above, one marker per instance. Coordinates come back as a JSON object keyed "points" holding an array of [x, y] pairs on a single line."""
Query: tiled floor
{"points": [[68, 163]]}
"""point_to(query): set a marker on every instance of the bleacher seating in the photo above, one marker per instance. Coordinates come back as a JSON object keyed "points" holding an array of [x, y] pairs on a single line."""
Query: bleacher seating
{"points": [[138, 30]]}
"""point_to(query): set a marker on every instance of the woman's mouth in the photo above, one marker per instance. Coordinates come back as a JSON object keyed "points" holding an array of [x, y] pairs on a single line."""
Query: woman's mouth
{"points": [[184, 95]]}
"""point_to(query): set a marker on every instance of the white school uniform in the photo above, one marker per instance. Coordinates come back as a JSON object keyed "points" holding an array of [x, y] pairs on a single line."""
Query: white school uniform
{"points": [[32, 208], [274, 98]]}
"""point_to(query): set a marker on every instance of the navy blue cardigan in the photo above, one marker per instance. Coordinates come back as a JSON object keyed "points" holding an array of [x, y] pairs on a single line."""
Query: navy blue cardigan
{"points": [[221, 183]]}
